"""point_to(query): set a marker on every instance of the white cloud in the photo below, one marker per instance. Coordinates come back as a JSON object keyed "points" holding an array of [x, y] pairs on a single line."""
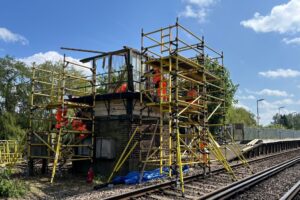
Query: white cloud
{"points": [[8, 36], [40, 58], [52, 56], [249, 97], [292, 41], [284, 18], [269, 109], [298, 86], [269, 92], [286, 102], [199, 14], [197, 9], [202, 3], [241, 105], [284, 73]]}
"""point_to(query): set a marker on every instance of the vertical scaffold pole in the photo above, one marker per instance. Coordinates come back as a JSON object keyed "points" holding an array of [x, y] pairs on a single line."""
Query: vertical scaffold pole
{"points": [[31, 129], [161, 124], [176, 114], [170, 117], [92, 153], [57, 154]]}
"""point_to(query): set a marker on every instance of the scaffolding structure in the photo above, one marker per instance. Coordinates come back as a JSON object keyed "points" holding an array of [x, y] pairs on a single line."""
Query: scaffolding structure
{"points": [[10, 153], [184, 82], [53, 116], [183, 86]]}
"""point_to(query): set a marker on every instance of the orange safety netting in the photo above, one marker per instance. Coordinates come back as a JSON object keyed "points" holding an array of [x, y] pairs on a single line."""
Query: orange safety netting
{"points": [[60, 117], [191, 95], [122, 88], [78, 125], [162, 91]]}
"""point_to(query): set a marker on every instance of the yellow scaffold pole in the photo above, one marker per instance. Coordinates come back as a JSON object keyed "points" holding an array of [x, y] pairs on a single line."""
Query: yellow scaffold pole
{"points": [[57, 154]]}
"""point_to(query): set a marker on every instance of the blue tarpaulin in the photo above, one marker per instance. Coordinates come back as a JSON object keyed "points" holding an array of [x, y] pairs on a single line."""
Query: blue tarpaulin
{"points": [[133, 177]]}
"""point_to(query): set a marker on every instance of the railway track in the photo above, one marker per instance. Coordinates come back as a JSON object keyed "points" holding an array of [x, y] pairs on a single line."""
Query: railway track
{"points": [[198, 186], [292, 193], [246, 184]]}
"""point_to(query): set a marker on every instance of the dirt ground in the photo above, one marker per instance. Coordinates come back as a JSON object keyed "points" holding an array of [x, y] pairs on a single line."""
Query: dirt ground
{"points": [[41, 188], [67, 185]]}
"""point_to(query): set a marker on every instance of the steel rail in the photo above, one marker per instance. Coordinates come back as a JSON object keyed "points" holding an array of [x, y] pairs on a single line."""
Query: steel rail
{"points": [[161, 186], [246, 183], [292, 193]]}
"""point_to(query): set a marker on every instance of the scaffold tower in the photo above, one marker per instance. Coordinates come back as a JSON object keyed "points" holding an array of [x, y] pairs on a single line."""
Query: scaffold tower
{"points": [[61, 131], [183, 105], [184, 81]]}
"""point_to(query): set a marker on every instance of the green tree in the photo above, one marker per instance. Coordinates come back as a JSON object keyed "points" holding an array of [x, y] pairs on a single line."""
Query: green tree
{"points": [[289, 121], [13, 84], [10, 129], [14, 90], [225, 82], [240, 115]]}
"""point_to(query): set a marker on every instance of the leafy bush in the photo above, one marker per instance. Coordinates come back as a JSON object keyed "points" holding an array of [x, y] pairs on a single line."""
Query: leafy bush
{"points": [[10, 187]]}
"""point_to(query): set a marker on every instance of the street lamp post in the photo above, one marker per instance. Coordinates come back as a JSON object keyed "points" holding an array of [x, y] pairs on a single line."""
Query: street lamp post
{"points": [[279, 120], [280, 109], [293, 120], [257, 110]]}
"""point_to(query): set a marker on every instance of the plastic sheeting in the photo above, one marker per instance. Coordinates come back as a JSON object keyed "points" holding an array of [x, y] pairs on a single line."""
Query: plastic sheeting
{"points": [[134, 177]]}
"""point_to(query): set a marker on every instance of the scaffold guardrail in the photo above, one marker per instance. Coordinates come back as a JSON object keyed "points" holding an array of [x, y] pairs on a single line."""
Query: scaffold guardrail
{"points": [[10, 153], [59, 125]]}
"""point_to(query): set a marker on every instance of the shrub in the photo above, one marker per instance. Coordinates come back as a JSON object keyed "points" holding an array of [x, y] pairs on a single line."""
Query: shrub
{"points": [[10, 187]]}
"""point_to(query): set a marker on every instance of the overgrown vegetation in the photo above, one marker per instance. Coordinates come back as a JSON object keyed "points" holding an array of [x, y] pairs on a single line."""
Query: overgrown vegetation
{"points": [[228, 85], [15, 95], [11, 187], [240, 116], [14, 90], [289, 121]]}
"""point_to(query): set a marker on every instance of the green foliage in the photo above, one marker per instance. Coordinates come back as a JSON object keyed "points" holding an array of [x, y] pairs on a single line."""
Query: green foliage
{"points": [[9, 187], [240, 115], [108, 86], [14, 91], [289, 121], [102, 81], [10, 128], [276, 126], [13, 84], [15, 88], [227, 84]]}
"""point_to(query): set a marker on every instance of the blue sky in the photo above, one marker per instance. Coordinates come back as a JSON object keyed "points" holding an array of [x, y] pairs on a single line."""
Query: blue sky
{"points": [[260, 39]]}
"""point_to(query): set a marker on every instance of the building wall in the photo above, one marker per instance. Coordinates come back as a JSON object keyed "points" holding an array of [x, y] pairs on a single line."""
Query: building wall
{"points": [[117, 107], [118, 130], [114, 123]]}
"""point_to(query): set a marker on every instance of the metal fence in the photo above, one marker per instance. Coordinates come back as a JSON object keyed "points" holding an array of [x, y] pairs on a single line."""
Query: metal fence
{"points": [[251, 133]]}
